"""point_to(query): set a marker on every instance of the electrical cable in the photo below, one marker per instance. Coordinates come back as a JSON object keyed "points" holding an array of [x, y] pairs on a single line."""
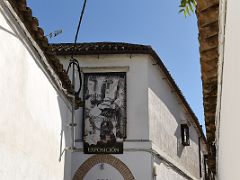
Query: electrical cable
{"points": [[73, 62], [80, 21], [75, 43]]}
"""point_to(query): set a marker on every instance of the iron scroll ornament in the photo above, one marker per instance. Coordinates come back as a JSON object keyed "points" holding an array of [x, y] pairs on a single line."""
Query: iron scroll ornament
{"points": [[73, 62]]}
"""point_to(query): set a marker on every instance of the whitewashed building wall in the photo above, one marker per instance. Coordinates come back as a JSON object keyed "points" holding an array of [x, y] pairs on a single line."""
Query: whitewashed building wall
{"points": [[32, 112], [166, 114], [227, 117], [135, 153], [154, 115]]}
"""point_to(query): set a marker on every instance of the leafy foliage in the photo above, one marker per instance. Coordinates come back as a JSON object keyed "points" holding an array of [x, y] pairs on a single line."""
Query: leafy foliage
{"points": [[187, 6]]}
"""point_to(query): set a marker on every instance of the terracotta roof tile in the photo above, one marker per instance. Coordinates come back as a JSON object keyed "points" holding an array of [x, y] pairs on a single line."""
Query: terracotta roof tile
{"points": [[207, 13], [37, 33]]}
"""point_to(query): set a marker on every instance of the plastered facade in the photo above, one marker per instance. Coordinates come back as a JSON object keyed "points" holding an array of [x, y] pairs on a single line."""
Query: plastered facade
{"points": [[32, 112], [227, 143], [154, 115], [166, 114]]}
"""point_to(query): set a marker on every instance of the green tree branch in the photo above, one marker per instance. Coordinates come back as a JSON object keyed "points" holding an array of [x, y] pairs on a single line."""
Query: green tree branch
{"points": [[187, 7]]}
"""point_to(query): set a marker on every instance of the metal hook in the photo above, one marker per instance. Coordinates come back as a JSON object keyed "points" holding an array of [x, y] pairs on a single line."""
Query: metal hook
{"points": [[74, 62]]}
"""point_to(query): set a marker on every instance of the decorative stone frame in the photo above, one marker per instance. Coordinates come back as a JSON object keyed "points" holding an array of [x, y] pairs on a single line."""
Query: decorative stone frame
{"points": [[108, 159]]}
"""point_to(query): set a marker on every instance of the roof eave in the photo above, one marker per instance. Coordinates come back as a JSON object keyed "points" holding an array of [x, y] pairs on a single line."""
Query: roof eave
{"points": [[37, 34], [208, 17]]}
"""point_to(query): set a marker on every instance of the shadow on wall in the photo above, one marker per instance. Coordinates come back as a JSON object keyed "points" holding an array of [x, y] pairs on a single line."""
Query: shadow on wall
{"points": [[180, 147], [156, 168], [175, 109], [9, 32], [16, 32], [65, 137]]}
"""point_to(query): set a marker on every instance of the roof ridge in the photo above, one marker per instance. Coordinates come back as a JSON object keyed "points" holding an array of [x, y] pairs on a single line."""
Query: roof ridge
{"points": [[101, 43]]}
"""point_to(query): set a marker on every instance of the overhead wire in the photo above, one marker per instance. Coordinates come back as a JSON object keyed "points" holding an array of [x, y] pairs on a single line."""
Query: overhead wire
{"points": [[79, 22], [73, 62]]}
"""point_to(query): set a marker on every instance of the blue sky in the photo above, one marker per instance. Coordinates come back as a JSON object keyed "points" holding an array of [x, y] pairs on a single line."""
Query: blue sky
{"points": [[155, 22]]}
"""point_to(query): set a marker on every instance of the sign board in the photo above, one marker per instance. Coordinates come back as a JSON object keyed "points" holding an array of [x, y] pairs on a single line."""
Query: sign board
{"points": [[104, 113]]}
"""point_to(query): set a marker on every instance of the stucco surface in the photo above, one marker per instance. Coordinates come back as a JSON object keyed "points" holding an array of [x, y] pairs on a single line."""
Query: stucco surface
{"points": [[228, 143], [166, 114], [137, 111], [108, 172], [154, 113], [32, 113], [139, 163], [164, 173]]}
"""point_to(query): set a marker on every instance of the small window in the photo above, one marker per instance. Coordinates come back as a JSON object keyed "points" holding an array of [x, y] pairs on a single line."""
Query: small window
{"points": [[185, 134]]}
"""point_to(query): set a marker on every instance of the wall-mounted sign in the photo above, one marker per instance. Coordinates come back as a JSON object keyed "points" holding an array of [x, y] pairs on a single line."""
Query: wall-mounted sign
{"points": [[104, 113]]}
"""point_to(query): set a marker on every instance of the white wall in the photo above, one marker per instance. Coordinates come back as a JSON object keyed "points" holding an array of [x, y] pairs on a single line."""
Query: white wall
{"points": [[137, 111], [228, 144], [106, 173], [139, 163], [31, 111], [166, 114], [153, 114], [138, 159], [164, 172]]}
